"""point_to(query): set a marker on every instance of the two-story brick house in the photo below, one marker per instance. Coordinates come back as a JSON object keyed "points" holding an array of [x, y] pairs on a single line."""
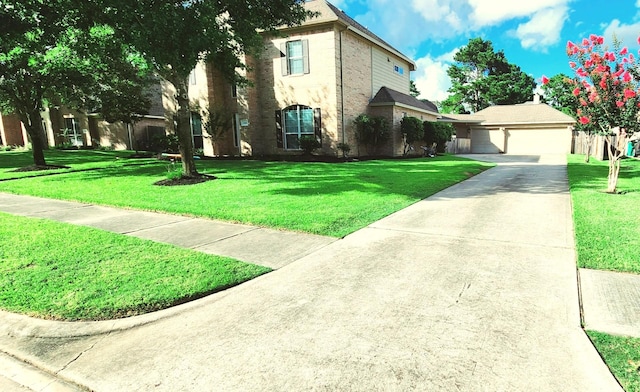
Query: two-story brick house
{"points": [[315, 79]]}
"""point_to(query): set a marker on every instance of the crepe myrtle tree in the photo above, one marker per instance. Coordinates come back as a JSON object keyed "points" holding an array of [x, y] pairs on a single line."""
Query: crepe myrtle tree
{"points": [[176, 35], [607, 87]]}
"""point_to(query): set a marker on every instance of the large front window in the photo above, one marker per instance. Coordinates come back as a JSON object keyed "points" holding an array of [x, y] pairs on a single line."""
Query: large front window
{"points": [[298, 121]]}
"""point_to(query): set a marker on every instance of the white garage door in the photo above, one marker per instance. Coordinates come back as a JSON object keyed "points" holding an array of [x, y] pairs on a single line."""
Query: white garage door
{"points": [[538, 141], [487, 141]]}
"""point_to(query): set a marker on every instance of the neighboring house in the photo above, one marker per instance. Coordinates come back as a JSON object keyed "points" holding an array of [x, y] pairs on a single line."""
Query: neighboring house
{"points": [[523, 129], [313, 79]]}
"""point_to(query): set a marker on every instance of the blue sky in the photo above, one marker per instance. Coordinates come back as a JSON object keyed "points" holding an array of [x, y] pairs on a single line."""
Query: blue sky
{"points": [[532, 33]]}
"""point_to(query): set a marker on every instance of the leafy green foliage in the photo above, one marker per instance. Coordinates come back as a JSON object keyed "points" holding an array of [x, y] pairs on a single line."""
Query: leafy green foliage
{"points": [[483, 77], [54, 54], [56, 270], [309, 144], [412, 131], [558, 94], [372, 132], [413, 89], [320, 198], [439, 133]]}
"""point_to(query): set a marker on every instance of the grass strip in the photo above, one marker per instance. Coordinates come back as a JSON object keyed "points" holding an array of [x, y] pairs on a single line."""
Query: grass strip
{"points": [[60, 271], [607, 226], [622, 355]]}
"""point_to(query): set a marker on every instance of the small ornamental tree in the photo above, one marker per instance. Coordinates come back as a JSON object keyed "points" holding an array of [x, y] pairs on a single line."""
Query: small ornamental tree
{"points": [[607, 88], [412, 131]]}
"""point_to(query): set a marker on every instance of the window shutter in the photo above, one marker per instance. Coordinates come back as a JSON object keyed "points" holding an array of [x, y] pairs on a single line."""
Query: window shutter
{"points": [[305, 55], [317, 124], [279, 130], [284, 64]]}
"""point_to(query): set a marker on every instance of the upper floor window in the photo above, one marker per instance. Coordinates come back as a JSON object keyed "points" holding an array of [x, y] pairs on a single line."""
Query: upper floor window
{"points": [[295, 57], [398, 69]]}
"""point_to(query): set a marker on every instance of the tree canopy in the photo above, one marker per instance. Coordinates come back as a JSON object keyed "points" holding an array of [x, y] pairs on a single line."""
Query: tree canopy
{"points": [[482, 77], [558, 93], [175, 36], [50, 52]]}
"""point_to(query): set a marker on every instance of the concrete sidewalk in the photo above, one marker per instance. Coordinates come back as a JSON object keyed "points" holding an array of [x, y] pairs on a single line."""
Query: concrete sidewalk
{"points": [[271, 248], [472, 289]]}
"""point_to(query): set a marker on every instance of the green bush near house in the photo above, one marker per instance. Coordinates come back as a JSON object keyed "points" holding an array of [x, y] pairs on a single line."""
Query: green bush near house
{"points": [[372, 132], [309, 144]]}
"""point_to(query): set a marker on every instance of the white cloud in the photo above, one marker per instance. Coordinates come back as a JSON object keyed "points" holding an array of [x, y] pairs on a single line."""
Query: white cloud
{"points": [[431, 77], [628, 34], [543, 29], [492, 12], [437, 20]]}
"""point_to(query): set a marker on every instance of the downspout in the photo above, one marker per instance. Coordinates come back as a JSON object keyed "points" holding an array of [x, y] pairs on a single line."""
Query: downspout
{"points": [[342, 90]]}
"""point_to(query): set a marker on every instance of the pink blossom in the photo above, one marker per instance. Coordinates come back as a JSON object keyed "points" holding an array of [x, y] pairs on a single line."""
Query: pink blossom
{"points": [[600, 40], [584, 120], [572, 64], [624, 51], [626, 76], [629, 93], [639, 40], [582, 72], [576, 91], [545, 79], [603, 83], [619, 104], [583, 102]]}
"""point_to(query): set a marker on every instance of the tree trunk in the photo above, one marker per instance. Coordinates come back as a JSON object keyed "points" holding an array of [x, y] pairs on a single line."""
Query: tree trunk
{"points": [[616, 151], [588, 142], [183, 129], [32, 121]]}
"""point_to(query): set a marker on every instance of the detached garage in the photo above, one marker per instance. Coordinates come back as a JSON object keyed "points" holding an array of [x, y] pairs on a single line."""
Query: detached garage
{"points": [[524, 129]]}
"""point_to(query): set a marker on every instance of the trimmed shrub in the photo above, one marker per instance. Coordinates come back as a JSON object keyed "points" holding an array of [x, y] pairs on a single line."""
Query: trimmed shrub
{"points": [[439, 133], [412, 130], [372, 132]]}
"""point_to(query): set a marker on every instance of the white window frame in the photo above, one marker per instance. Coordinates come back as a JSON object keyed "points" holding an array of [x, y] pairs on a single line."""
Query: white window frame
{"points": [[300, 128]]}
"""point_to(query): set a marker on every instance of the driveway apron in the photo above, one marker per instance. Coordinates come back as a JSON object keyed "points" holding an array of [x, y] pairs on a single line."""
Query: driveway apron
{"points": [[472, 289]]}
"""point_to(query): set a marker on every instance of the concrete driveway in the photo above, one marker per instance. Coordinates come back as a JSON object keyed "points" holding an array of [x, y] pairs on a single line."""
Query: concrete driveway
{"points": [[473, 289]]}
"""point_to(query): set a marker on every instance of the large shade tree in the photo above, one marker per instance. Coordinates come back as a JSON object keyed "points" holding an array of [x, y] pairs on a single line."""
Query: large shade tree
{"points": [[51, 53], [176, 35], [607, 88], [482, 77]]}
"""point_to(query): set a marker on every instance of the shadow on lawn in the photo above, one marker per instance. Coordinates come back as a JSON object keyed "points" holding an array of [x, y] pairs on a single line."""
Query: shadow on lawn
{"points": [[593, 175]]}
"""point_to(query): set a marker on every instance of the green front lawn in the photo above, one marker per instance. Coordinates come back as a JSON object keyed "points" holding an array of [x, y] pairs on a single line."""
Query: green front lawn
{"points": [[60, 271], [607, 226], [622, 356], [74, 160], [321, 198]]}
